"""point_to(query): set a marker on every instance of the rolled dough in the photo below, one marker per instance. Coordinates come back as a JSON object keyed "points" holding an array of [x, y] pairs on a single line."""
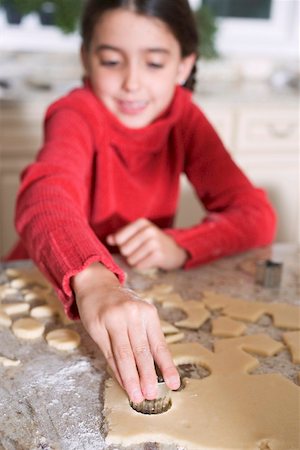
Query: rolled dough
{"points": [[236, 411]]}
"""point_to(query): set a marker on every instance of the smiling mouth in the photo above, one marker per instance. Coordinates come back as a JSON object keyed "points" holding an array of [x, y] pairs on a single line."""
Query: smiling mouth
{"points": [[132, 107]]}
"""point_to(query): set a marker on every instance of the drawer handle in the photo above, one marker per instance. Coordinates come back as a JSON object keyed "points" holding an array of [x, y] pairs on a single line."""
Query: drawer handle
{"points": [[281, 133]]}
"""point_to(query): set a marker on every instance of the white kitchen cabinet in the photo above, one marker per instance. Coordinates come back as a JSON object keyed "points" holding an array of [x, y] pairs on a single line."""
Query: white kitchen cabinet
{"points": [[267, 130], [21, 137], [261, 132]]}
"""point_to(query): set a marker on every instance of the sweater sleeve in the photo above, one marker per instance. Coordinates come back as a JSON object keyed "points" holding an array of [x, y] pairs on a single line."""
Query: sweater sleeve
{"points": [[53, 203], [239, 216]]}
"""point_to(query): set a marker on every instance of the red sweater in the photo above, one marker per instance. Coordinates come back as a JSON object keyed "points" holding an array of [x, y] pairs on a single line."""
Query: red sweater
{"points": [[93, 175]]}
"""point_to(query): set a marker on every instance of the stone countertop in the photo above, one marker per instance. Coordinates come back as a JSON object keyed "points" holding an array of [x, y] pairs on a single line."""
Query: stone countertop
{"points": [[54, 400]]}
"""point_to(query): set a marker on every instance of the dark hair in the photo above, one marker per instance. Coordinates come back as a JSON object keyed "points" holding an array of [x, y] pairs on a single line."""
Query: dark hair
{"points": [[176, 14]]}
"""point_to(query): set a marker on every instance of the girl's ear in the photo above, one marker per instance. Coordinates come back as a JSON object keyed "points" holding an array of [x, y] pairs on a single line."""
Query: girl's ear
{"points": [[185, 67]]}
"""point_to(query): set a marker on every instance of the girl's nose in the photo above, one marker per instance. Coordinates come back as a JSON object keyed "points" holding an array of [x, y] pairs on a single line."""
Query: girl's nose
{"points": [[131, 79]]}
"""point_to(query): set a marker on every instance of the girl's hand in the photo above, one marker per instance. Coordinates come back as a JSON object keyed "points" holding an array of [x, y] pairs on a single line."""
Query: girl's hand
{"points": [[126, 329], [146, 246]]}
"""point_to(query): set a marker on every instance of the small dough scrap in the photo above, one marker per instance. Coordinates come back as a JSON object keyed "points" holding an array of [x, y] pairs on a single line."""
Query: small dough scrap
{"points": [[12, 309], [43, 311], [167, 327], [245, 310], [63, 339], [224, 362], [20, 278], [54, 302], [7, 291], [151, 273], [7, 362], [260, 344], [172, 297], [235, 308], [10, 272], [284, 315], [196, 313], [18, 283], [5, 320], [226, 327], [292, 340], [28, 328], [154, 295], [171, 332], [162, 288], [215, 300], [35, 293], [174, 337]]}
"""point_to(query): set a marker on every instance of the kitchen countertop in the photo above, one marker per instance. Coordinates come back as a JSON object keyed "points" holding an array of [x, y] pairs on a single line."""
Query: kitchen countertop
{"points": [[28, 76], [54, 400]]}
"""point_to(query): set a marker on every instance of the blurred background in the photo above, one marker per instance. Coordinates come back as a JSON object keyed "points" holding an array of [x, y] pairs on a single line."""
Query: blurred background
{"points": [[248, 86]]}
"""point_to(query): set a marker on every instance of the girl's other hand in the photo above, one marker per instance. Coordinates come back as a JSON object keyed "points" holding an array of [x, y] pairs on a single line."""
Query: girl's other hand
{"points": [[127, 330], [145, 246]]}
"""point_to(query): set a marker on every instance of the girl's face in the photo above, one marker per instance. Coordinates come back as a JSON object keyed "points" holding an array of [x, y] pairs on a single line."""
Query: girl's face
{"points": [[133, 64]]}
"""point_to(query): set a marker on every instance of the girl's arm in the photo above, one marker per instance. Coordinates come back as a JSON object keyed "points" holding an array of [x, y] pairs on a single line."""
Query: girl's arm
{"points": [[51, 218], [53, 202], [239, 216], [126, 329]]}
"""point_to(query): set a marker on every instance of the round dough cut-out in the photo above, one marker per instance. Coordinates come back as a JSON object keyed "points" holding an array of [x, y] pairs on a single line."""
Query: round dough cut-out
{"points": [[63, 339], [12, 309], [28, 328], [5, 320], [43, 311]]}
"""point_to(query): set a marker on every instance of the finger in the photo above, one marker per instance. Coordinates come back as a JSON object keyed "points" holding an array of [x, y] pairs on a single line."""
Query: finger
{"points": [[162, 355], [104, 344], [126, 365], [123, 235], [151, 260], [138, 240], [144, 361], [142, 252]]}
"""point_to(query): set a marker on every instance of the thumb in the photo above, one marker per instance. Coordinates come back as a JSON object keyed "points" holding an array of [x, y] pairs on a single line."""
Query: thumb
{"points": [[111, 239]]}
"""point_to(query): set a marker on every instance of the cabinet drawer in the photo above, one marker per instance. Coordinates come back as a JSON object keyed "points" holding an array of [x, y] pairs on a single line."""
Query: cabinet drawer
{"points": [[264, 129]]}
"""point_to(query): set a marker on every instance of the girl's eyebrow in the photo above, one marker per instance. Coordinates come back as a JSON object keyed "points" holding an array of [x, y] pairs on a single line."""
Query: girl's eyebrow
{"points": [[107, 47], [101, 47]]}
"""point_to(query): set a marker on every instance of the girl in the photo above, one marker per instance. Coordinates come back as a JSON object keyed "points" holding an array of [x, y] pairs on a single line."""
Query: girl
{"points": [[107, 178]]}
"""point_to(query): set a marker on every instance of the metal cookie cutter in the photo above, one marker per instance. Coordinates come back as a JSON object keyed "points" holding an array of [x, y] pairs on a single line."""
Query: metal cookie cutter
{"points": [[268, 273], [159, 405]]}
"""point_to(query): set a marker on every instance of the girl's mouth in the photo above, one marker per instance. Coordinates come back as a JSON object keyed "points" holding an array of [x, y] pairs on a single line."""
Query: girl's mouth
{"points": [[131, 107]]}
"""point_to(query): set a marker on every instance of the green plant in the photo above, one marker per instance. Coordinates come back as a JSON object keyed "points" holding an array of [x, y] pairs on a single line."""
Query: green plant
{"points": [[207, 29], [66, 13]]}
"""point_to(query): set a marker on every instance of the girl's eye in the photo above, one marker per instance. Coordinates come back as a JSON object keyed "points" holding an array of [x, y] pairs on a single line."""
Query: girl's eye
{"points": [[155, 65], [110, 63]]}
